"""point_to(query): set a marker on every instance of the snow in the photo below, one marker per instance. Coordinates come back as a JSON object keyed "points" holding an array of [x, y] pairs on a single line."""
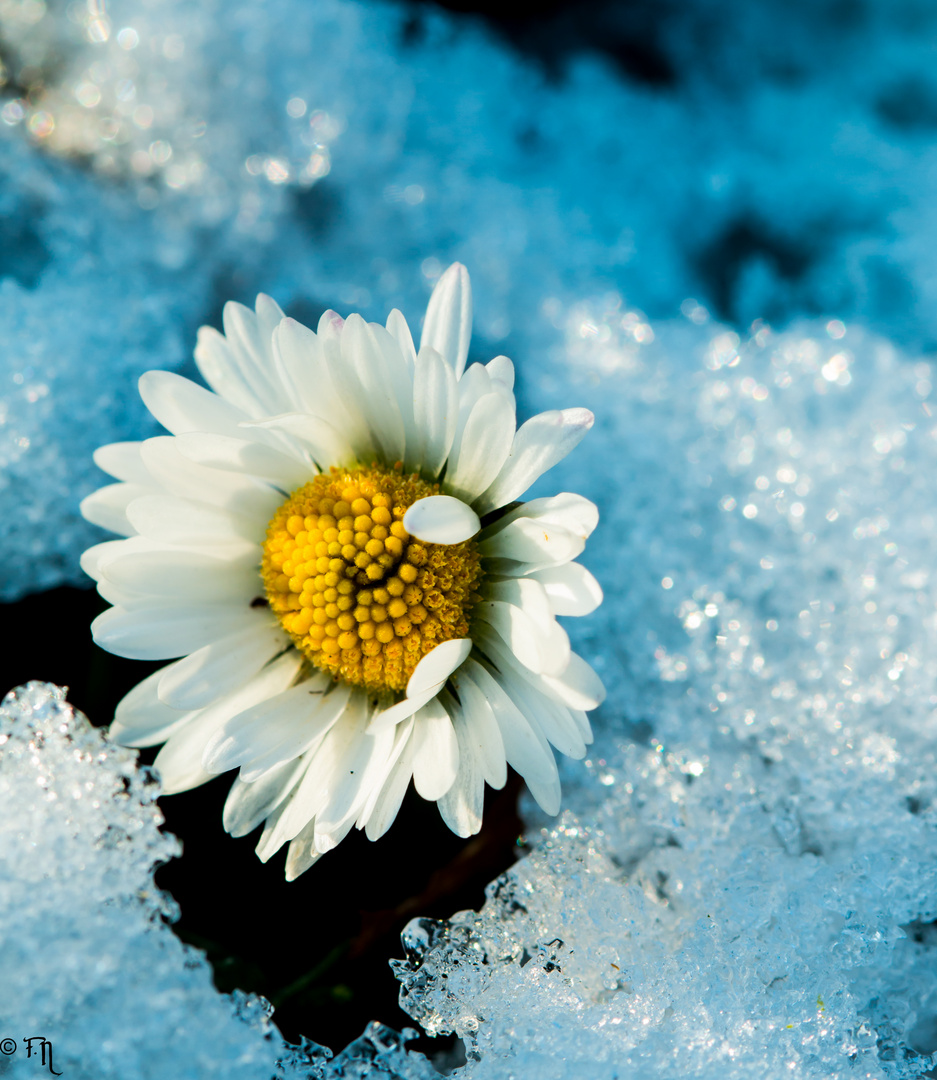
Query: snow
{"points": [[744, 881], [89, 961], [341, 154]]}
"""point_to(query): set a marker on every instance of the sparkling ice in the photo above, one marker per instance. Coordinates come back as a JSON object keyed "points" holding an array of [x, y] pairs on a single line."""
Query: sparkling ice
{"points": [[744, 884], [89, 964]]}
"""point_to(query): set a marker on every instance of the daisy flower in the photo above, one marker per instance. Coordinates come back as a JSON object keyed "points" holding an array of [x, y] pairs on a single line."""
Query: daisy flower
{"points": [[329, 539]]}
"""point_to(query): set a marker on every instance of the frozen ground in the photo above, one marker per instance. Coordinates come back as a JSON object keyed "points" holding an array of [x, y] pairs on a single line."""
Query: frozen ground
{"points": [[89, 966], [744, 882]]}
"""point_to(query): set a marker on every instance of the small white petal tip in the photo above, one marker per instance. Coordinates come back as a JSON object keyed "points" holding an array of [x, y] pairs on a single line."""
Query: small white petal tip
{"points": [[428, 678], [430, 674], [441, 519]]}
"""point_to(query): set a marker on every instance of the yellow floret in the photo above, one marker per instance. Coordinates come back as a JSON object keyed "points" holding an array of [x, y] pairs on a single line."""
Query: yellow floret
{"points": [[350, 585]]}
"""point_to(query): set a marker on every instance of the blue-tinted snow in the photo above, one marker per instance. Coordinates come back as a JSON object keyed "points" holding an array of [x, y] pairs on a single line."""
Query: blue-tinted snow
{"points": [[89, 962], [745, 882], [787, 169]]}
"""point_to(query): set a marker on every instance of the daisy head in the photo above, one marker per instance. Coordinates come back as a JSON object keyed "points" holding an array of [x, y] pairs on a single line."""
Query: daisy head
{"points": [[328, 544]]}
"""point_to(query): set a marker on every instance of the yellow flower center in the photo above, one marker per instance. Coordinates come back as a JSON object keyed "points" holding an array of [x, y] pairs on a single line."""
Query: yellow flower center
{"points": [[359, 596]]}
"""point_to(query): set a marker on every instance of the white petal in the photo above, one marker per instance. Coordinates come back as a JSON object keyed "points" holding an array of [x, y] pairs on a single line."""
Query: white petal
{"points": [[547, 793], [515, 628], [92, 558], [322, 843], [122, 461], [181, 405], [572, 511], [370, 360], [441, 519], [118, 597], [399, 330], [538, 445], [271, 839], [533, 544], [302, 852], [235, 492], [214, 360], [554, 644], [448, 324], [399, 376], [169, 630], [379, 817], [525, 749], [502, 370], [548, 717], [381, 772], [570, 588], [221, 666], [167, 519], [325, 770], [249, 342], [248, 804], [479, 451], [247, 456], [435, 411], [298, 358], [324, 443], [436, 752], [568, 510], [185, 575], [315, 366], [474, 384], [239, 365], [277, 729], [578, 687], [482, 733], [179, 763], [107, 506], [525, 593], [402, 710], [172, 724], [269, 317], [438, 664], [364, 765], [582, 723], [141, 719], [461, 806], [540, 646]]}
